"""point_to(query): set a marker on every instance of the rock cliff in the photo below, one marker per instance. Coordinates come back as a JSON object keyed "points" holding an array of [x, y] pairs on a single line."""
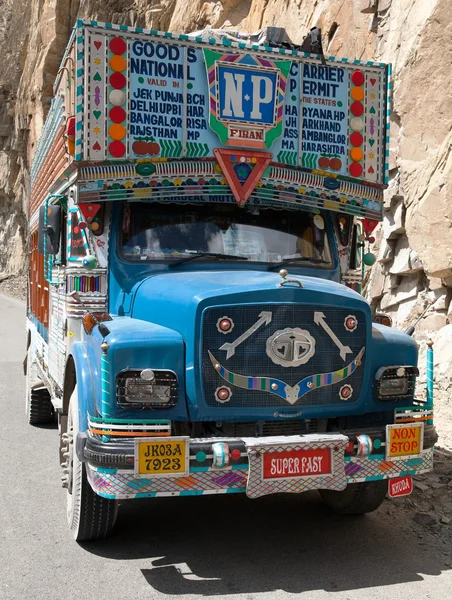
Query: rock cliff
{"points": [[414, 244]]}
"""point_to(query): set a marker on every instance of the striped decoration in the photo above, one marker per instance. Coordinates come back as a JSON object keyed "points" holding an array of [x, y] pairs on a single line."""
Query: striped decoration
{"points": [[84, 283], [388, 122], [105, 375], [280, 388]]}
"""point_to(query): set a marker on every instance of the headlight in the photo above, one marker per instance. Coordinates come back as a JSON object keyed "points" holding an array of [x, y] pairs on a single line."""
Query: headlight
{"points": [[146, 388], [395, 382]]}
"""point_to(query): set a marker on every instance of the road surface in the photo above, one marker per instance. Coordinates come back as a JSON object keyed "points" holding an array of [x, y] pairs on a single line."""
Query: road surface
{"points": [[204, 547]]}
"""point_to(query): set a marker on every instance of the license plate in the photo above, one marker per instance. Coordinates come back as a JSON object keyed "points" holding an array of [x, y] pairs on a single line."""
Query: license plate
{"points": [[400, 486], [294, 464], [404, 440], [162, 457]]}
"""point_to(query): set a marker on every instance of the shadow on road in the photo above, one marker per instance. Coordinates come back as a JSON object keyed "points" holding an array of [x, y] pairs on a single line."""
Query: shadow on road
{"points": [[210, 546]]}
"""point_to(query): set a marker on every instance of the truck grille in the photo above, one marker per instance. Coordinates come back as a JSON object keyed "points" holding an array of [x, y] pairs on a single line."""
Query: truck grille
{"points": [[248, 350]]}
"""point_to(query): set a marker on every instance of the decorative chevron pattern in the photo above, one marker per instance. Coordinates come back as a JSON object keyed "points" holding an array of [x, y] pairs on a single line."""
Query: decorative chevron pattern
{"points": [[309, 160], [126, 485], [170, 149], [285, 391], [197, 149], [359, 469], [289, 158]]}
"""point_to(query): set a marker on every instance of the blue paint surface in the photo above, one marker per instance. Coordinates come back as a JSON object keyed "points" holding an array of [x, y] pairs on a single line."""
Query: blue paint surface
{"points": [[255, 92], [162, 319]]}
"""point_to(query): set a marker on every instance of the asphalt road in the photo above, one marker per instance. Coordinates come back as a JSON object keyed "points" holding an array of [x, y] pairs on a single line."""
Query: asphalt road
{"points": [[204, 547]]}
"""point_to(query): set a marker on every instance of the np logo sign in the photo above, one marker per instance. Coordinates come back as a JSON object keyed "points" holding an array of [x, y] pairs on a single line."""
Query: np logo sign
{"points": [[247, 95]]}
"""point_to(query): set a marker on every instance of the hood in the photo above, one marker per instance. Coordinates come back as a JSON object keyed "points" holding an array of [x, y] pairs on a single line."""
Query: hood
{"points": [[172, 299], [268, 325]]}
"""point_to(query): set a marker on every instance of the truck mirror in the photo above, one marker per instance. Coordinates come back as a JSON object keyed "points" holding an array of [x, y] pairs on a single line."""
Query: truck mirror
{"points": [[51, 230]]}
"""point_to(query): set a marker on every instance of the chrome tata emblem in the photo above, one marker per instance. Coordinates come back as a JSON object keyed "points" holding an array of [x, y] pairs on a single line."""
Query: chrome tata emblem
{"points": [[290, 347]]}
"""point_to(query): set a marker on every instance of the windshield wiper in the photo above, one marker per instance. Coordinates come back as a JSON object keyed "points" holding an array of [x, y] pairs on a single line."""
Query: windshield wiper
{"points": [[294, 259], [206, 255]]}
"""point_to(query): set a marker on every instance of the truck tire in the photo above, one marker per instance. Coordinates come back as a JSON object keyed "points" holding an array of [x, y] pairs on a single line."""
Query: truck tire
{"points": [[90, 517], [357, 498], [38, 405]]}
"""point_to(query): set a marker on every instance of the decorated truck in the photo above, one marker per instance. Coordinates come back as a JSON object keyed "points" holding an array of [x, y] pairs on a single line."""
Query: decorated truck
{"points": [[177, 182]]}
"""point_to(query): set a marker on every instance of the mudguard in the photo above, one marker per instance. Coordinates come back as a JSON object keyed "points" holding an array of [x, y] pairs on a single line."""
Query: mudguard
{"points": [[85, 362]]}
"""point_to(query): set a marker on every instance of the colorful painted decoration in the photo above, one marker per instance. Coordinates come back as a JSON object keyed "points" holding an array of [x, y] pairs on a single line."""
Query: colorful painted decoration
{"points": [[356, 139], [369, 225], [145, 169], [351, 323], [290, 394], [358, 78], [356, 154], [225, 325], [77, 243], [357, 109], [117, 149], [117, 98], [118, 81], [357, 124], [89, 211], [117, 114], [346, 392], [355, 169], [242, 170], [118, 63], [187, 101], [246, 98], [223, 394], [118, 45]]}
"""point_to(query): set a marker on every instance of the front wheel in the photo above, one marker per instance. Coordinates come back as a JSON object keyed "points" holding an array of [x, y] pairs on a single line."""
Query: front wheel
{"points": [[90, 517], [357, 498]]}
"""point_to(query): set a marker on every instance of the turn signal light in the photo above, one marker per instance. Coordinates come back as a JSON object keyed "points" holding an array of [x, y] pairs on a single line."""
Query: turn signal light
{"points": [[382, 319], [92, 319]]}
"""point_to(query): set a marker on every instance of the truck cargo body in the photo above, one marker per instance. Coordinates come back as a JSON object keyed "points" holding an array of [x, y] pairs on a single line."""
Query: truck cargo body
{"points": [[176, 185]]}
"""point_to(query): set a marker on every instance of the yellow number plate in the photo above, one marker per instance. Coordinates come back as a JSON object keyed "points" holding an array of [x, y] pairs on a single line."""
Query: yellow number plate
{"points": [[162, 457], [404, 440]]}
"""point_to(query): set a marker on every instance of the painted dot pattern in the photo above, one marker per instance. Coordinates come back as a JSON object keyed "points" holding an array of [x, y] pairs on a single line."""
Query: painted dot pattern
{"points": [[356, 139], [97, 70], [117, 97]]}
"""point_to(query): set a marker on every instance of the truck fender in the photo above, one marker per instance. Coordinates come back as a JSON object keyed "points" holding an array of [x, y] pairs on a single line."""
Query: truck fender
{"points": [[78, 369]]}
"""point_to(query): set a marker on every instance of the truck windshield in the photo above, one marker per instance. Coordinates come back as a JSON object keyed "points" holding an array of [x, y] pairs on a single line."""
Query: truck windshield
{"points": [[170, 232]]}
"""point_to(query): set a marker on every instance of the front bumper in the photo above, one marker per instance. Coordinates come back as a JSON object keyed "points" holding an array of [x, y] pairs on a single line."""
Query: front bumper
{"points": [[110, 466]]}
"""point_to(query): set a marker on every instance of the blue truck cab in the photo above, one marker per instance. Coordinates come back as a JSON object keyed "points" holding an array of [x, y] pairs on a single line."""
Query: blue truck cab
{"points": [[199, 215]]}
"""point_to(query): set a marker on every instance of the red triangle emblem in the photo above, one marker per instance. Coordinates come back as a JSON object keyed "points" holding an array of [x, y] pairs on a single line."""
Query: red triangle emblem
{"points": [[242, 170], [89, 211]]}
